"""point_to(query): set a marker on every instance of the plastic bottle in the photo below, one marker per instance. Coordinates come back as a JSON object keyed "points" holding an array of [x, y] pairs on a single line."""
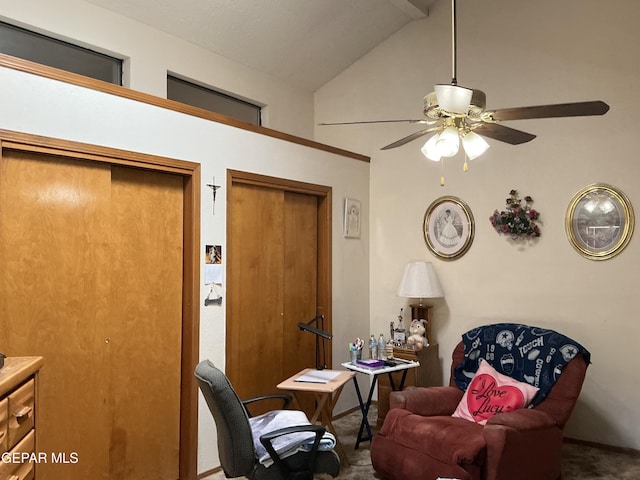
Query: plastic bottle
{"points": [[373, 348], [381, 347]]}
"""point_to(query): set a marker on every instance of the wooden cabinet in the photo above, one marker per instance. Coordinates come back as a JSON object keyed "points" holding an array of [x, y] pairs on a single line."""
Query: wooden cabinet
{"points": [[428, 374], [18, 417]]}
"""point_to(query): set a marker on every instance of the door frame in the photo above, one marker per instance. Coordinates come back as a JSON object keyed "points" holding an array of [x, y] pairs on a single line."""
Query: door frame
{"points": [[190, 172], [324, 272]]}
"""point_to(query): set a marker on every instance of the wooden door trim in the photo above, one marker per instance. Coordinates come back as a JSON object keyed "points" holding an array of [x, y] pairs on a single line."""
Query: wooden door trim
{"points": [[9, 140], [324, 195]]}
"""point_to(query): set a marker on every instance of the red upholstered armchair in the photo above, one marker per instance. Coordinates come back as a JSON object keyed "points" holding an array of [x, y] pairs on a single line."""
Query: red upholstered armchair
{"points": [[420, 440]]}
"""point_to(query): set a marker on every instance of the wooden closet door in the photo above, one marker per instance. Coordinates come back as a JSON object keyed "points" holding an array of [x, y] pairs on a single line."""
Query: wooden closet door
{"points": [[145, 324], [91, 279], [272, 286], [255, 274], [300, 280], [54, 299]]}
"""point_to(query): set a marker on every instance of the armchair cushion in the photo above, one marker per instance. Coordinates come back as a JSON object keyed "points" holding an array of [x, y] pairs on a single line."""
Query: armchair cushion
{"points": [[452, 441], [490, 393]]}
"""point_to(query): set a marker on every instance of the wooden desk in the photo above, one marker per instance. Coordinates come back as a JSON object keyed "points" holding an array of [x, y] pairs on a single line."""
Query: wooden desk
{"points": [[326, 395]]}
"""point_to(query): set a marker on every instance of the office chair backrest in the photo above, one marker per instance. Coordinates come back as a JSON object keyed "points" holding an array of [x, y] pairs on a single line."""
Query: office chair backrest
{"points": [[235, 442]]}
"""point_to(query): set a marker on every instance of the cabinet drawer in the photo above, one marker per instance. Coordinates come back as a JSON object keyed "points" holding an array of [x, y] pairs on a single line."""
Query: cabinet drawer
{"points": [[4, 432], [13, 468], [21, 412]]}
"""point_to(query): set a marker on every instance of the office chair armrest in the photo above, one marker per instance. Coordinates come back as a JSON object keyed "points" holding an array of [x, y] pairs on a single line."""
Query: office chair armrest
{"points": [[285, 397], [268, 438]]}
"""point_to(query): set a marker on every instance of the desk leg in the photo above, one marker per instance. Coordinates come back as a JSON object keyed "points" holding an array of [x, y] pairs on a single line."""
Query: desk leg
{"points": [[321, 401], [323, 415], [364, 408]]}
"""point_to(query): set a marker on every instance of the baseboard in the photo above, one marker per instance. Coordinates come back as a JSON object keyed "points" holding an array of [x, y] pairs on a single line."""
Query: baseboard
{"points": [[603, 446], [208, 473]]}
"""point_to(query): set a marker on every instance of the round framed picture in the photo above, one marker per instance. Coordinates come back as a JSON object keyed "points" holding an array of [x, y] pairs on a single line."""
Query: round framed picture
{"points": [[448, 228], [599, 221]]}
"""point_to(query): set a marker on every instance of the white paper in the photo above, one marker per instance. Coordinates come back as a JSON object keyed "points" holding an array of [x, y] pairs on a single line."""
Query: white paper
{"points": [[318, 376], [213, 273]]}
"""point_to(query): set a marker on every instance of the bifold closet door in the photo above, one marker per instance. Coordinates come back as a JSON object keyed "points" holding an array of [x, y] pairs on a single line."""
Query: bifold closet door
{"points": [[145, 324], [91, 279], [272, 286], [54, 294]]}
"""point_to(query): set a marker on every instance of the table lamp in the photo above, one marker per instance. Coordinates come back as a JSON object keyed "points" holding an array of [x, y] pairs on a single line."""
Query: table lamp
{"points": [[420, 281]]}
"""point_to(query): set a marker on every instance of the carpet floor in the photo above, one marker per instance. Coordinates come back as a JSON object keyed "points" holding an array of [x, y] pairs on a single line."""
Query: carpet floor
{"points": [[580, 462]]}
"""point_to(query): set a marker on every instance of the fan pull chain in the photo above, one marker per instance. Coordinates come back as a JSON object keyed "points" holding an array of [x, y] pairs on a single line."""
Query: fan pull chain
{"points": [[442, 174], [465, 167]]}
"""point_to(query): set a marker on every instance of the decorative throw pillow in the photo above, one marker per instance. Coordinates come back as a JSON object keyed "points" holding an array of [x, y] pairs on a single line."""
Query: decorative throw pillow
{"points": [[490, 393]]}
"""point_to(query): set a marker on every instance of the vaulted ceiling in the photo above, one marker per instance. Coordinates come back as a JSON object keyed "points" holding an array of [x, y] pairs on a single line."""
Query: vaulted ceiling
{"points": [[303, 42]]}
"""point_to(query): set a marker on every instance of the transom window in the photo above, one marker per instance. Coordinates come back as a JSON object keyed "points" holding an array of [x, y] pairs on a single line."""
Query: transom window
{"points": [[35, 47], [212, 100]]}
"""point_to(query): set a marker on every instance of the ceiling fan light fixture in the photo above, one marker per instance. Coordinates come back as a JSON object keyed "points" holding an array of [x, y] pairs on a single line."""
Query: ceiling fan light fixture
{"points": [[448, 142], [454, 99], [474, 145], [430, 148]]}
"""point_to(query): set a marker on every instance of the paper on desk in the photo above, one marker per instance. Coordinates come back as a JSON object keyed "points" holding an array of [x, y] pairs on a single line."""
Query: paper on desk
{"points": [[318, 376]]}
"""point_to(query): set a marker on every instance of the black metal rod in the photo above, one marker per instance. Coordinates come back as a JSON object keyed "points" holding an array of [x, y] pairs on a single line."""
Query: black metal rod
{"points": [[454, 45], [307, 327]]}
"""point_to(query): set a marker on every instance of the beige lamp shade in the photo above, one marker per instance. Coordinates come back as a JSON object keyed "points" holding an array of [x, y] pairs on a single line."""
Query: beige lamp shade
{"points": [[420, 281]]}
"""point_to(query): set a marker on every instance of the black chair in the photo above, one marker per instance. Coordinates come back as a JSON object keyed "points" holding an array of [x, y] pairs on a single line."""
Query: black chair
{"points": [[236, 449]]}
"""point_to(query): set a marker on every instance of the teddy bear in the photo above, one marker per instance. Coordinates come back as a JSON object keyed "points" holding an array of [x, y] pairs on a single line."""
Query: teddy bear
{"points": [[417, 340]]}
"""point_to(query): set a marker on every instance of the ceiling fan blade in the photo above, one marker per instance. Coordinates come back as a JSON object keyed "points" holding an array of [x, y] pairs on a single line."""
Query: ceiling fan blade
{"points": [[409, 138], [504, 134], [578, 109], [422, 120]]}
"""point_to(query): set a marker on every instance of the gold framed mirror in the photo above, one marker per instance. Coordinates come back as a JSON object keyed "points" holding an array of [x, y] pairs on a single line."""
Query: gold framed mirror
{"points": [[599, 221]]}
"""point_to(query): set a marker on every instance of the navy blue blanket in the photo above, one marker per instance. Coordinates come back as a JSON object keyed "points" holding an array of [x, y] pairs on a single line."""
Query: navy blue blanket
{"points": [[528, 354]]}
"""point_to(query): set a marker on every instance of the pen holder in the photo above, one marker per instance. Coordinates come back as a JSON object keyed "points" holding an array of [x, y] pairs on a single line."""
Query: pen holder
{"points": [[355, 355]]}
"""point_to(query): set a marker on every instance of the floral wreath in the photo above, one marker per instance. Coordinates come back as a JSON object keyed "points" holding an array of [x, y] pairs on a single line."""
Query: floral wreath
{"points": [[518, 220]]}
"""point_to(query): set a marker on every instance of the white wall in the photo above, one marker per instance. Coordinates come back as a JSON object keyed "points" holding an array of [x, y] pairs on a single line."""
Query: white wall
{"points": [[150, 54], [40, 106], [519, 53]]}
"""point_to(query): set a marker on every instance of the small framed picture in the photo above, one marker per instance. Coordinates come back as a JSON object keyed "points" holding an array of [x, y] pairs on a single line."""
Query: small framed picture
{"points": [[599, 221], [351, 218], [448, 228]]}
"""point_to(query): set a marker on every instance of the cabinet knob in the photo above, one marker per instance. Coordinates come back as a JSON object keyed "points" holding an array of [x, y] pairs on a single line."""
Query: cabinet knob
{"points": [[23, 412]]}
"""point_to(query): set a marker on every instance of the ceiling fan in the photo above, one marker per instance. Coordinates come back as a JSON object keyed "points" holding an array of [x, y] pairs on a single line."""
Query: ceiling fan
{"points": [[458, 113]]}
